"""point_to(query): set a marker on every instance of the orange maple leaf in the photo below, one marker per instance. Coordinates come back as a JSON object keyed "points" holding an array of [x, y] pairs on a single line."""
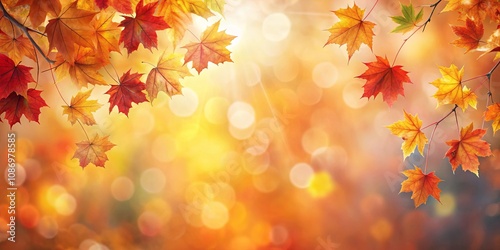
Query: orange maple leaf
{"points": [[422, 185], [93, 151], [83, 69], [177, 14], [493, 114], [107, 34], [352, 29], [39, 9], [409, 130], [81, 109], [16, 47], [383, 78], [450, 89], [211, 48], [470, 35], [166, 76], [71, 27], [465, 151], [476, 10]]}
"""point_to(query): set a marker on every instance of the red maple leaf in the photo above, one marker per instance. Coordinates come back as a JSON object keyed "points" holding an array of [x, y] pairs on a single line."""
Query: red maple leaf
{"points": [[16, 105], [141, 28], [128, 91], [469, 36], [13, 78], [123, 6], [383, 78]]}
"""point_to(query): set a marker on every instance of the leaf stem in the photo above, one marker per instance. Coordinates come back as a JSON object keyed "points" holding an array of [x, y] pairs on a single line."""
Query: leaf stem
{"points": [[433, 6], [83, 128], [25, 30], [404, 41], [442, 119], [370, 11], [436, 124]]}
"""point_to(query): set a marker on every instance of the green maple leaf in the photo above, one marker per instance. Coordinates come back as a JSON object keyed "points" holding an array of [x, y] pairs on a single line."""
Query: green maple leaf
{"points": [[408, 20]]}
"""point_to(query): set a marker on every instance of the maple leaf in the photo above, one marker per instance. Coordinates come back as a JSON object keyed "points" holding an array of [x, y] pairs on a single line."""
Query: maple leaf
{"points": [[492, 44], [382, 78], [409, 130], [81, 109], [123, 6], [474, 9], [83, 69], [141, 28], [71, 27], [16, 106], [16, 47], [422, 185], [197, 7], [128, 91], [13, 78], [93, 151], [177, 14], [216, 5], [465, 151], [450, 89], [39, 9], [351, 30], [166, 75], [106, 34], [408, 20], [493, 114], [469, 36], [211, 48]]}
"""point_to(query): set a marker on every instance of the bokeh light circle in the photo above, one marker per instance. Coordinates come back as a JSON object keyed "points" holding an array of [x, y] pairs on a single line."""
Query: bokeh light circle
{"points": [[65, 204], [122, 188], [184, 105], [325, 74], [241, 115], [214, 215], [301, 174], [153, 180], [276, 27]]}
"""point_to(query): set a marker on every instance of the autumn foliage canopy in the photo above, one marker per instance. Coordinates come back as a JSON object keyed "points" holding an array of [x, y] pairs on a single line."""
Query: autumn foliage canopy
{"points": [[77, 39]]}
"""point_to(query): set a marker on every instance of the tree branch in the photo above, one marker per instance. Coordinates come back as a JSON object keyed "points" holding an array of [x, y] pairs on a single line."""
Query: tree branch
{"points": [[25, 30]]}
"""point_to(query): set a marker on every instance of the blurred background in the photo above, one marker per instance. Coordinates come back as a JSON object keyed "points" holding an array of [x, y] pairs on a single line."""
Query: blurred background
{"points": [[274, 151]]}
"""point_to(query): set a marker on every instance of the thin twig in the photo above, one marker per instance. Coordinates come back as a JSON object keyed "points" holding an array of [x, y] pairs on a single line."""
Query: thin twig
{"points": [[25, 30]]}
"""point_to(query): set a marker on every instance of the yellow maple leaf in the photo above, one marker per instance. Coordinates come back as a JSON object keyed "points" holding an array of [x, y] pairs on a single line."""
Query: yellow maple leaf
{"points": [[409, 130], [166, 76], [107, 34], [16, 47], [422, 185], [351, 30], [450, 88], [81, 109], [177, 14], [84, 68], [493, 114], [210, 48]]}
